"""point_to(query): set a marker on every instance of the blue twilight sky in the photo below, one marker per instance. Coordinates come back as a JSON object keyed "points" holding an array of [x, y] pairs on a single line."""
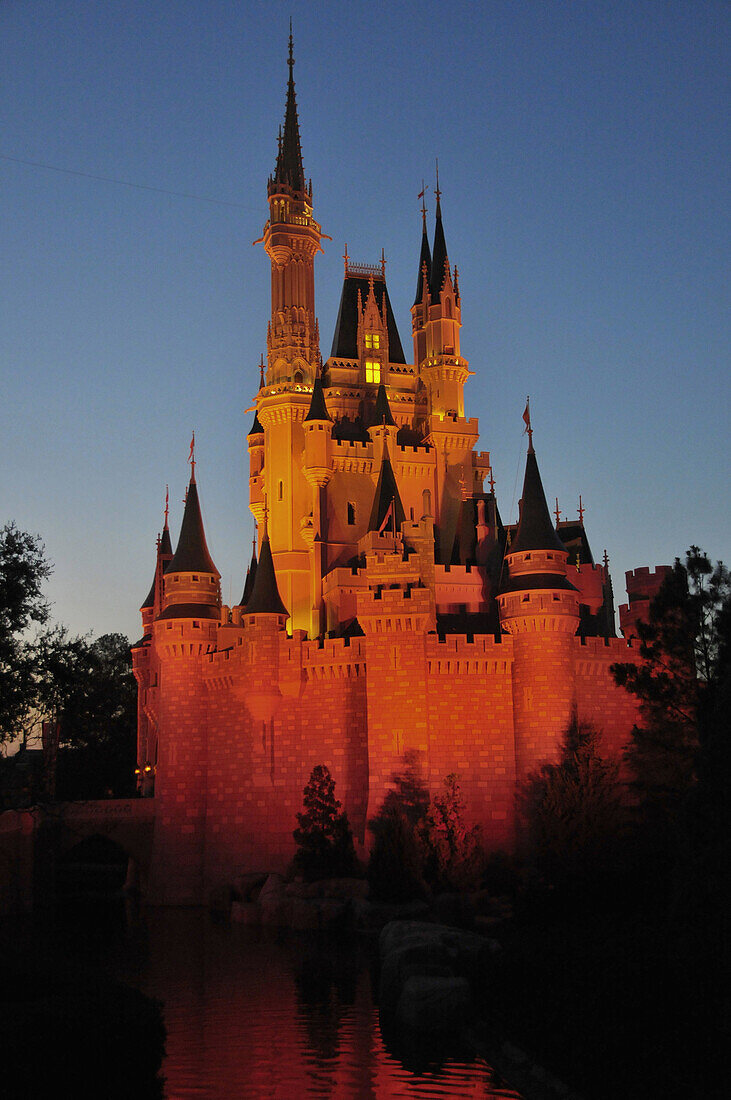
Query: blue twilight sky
{"points": [[583, 153]]}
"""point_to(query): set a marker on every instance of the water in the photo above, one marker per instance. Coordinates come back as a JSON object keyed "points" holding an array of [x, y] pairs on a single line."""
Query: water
{"points": [[253, 1013]]}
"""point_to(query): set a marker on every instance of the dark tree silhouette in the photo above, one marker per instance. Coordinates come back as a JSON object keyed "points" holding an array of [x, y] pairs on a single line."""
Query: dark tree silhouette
{"points": [[23, 569], [324, 838]]}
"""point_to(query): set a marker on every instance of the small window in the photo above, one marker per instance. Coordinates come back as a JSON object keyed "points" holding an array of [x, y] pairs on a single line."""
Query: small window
{"points": [[194, 577], [373, 340], [298, 376], [373, 370], [281, 490], [351, 514]]}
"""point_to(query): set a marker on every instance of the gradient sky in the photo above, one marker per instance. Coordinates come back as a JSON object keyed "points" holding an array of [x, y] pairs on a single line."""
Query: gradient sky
{"points": [[583, 155]]}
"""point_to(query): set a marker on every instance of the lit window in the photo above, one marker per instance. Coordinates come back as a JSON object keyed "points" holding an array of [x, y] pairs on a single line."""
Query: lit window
{"points": [[373, 370], [373, 340]]}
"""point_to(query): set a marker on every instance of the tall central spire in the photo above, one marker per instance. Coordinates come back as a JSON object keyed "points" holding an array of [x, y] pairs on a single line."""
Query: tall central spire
{"points": [[289, 170]]}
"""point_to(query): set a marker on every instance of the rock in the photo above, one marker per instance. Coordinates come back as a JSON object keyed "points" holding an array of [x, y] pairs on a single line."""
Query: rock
{"points": [[345, 888], [247, 887], [431, 1002], [245, 912]]}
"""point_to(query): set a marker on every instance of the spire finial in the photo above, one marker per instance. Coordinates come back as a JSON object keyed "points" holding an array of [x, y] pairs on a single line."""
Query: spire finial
{"points": [[581, 511], [491, 481], [346, 257], [261, 371], [557, 512], [421, 195], [191, 458], [606, 559], [290, 60], [528, 429], [437, 192], [167, 506], [383, 263]]}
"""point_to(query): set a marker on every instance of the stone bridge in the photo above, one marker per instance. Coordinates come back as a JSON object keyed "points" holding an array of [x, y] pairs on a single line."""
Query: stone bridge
{"points": [[33, 841]]}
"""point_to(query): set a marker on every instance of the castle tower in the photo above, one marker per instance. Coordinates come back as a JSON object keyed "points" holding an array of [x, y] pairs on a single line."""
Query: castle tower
{"points": [[183, 633], [292, 240], [143, 666], [318, 471], [539, 607], [436, 324]]}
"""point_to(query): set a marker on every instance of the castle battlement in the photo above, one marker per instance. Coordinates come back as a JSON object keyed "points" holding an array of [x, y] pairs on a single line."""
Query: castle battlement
{"points": [[643, 573]]}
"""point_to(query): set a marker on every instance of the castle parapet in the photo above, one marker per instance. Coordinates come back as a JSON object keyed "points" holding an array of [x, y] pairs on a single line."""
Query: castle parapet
{"points": [[643, 584]]}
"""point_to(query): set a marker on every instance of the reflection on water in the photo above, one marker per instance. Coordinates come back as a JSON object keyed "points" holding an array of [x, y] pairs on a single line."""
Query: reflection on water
{"points": [[253, 1013], [257, 1014]]}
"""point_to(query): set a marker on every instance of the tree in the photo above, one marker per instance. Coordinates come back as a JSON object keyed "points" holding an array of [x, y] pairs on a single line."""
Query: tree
{"points": [[455, 858], [398, 854], [679, 681], [23, 569], [571, 811], [98, 718], [324, 838]]}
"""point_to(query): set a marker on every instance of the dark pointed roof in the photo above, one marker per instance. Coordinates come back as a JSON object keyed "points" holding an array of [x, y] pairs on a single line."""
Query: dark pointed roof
{"points": [[164, 552], [256, 428], [289, 170], [439, 258], [386, 492], [345, 340], [250, 577], [382, 411], [424, 258], [318, 408], [535, 529], [191, 555], [265, 598]]}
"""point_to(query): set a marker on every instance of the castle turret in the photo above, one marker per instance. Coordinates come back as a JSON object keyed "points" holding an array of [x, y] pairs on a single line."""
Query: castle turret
{"points": [[540, 608], [192, 589], [264, 618], [436, 341], [318, 471], [292, 240]]}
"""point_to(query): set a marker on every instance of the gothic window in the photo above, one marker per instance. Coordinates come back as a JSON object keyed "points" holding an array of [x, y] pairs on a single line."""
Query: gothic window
{"points": [[373, 370], [351, 514], [281, 489], [298, 376], [372, 340]]}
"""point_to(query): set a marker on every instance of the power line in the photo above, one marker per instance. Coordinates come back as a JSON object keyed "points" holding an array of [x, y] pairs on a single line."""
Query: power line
{"points": [[123, 183]]}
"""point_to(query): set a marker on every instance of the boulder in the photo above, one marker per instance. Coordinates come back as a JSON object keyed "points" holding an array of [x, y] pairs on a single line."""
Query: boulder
{"points": [[432, 1002]]}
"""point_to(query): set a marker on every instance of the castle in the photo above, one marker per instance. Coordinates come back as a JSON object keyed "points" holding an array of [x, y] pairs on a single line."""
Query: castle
{"points": [[387, 608]]}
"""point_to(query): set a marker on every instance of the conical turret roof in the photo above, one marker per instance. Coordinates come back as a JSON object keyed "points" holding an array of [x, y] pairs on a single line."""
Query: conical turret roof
{"points": [[382, 411], [164, 555], [439, 261], [318, 408], [250, 578], [265, 598], [191, 555], [256, 428], [424, 259], [386, 498], [289, 170], [535, 529]]}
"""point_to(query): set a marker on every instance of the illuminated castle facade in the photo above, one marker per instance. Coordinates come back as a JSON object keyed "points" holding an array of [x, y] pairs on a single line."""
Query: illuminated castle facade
{"points": [[387, 611]]}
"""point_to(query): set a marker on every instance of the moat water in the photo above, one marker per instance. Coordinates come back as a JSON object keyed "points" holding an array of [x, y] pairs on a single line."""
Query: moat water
{"points": [[258, 1013]]}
